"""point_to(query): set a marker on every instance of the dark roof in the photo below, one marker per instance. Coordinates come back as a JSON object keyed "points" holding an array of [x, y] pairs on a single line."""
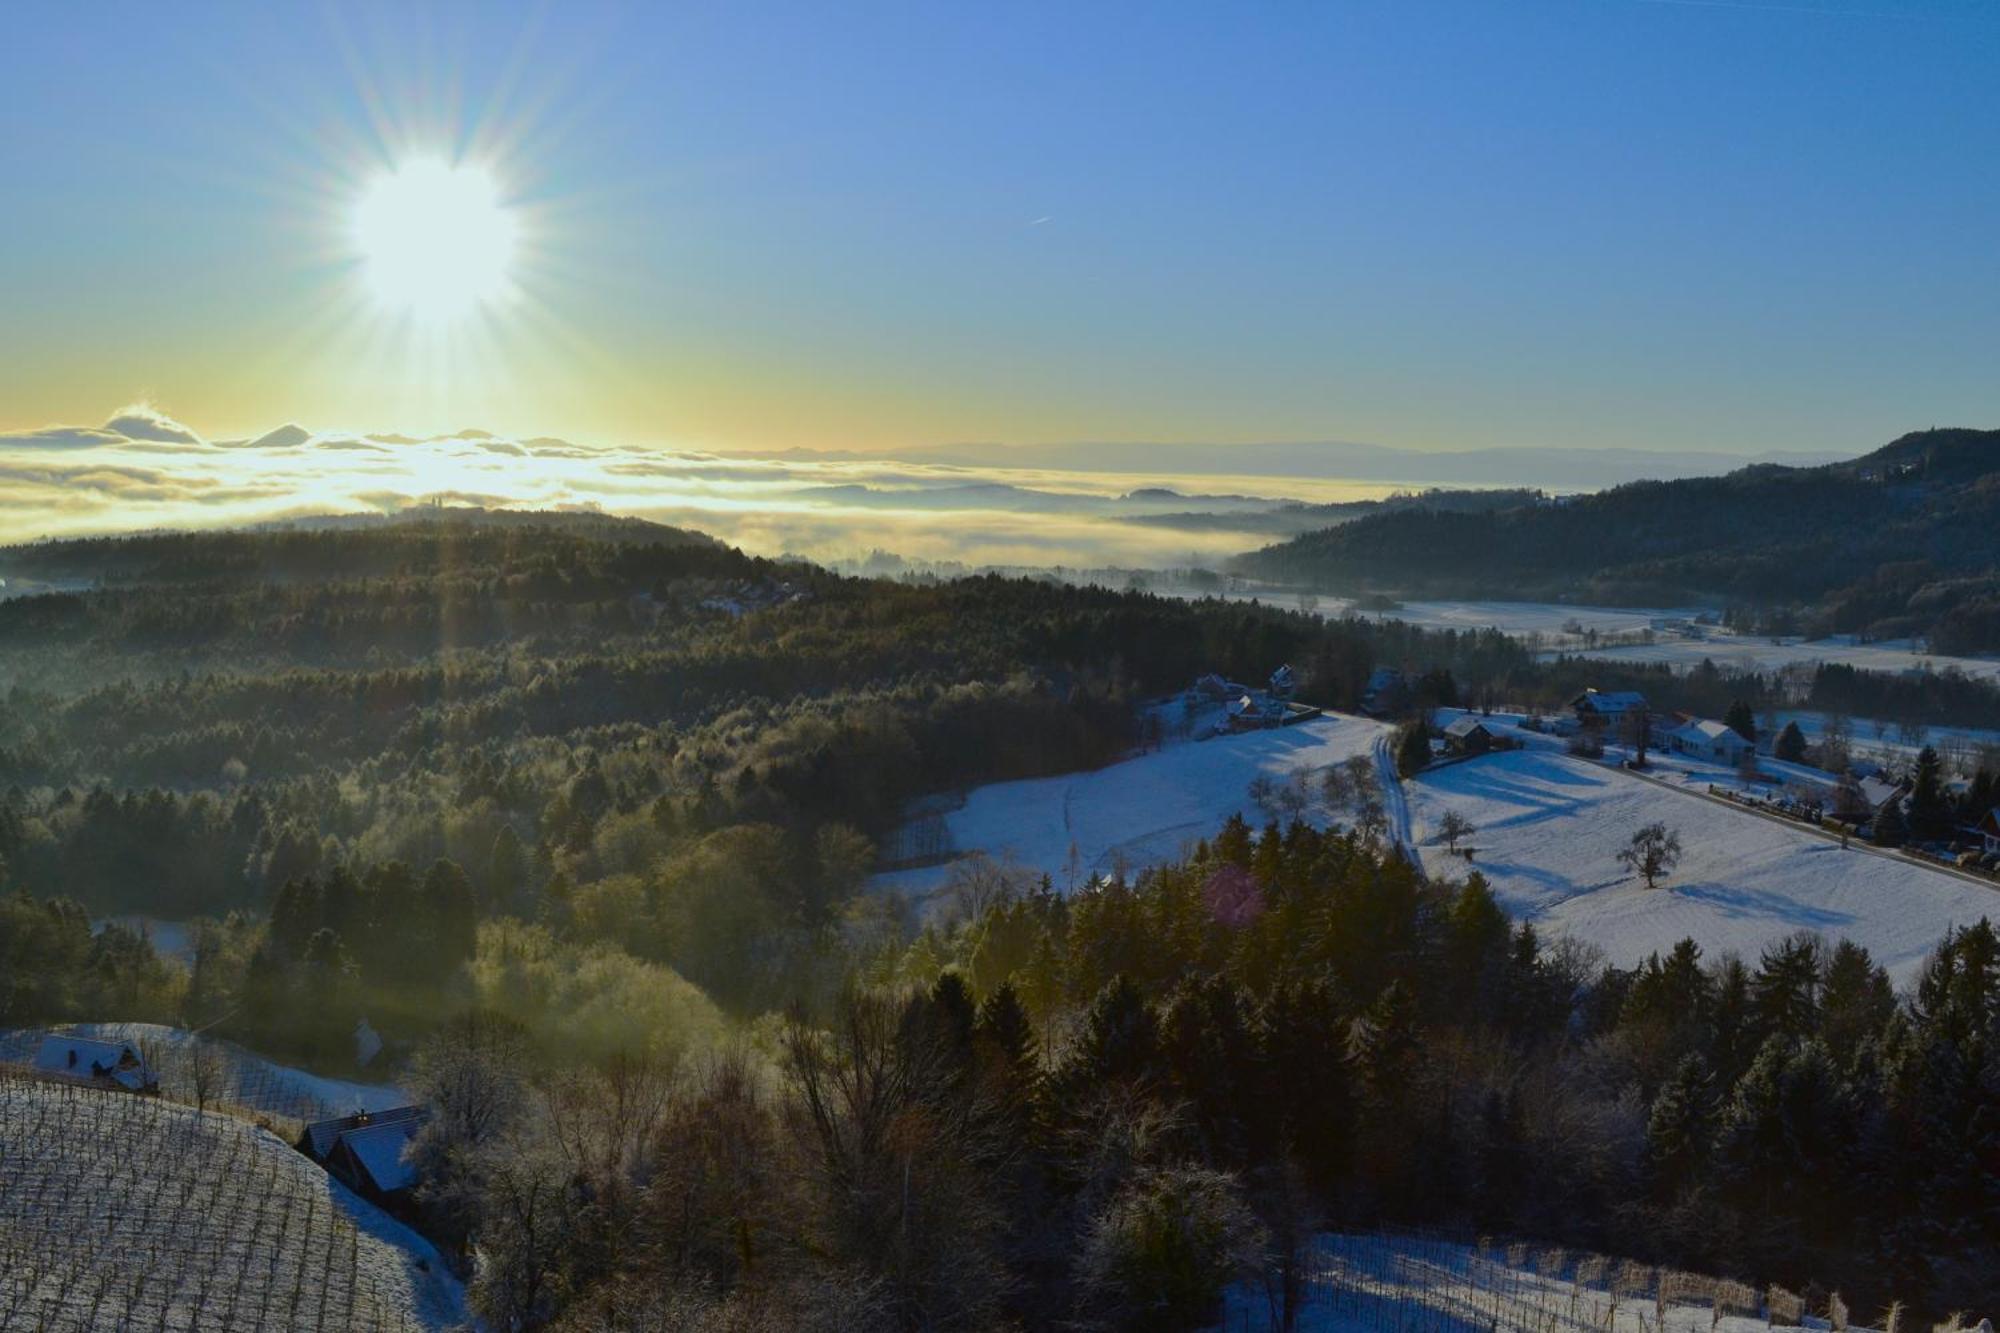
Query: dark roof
{"points": [[376, 1150], [321, 1135], [1609, 701]]}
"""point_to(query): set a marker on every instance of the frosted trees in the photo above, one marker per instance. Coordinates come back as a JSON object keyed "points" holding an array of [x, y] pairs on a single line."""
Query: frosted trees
{"points": [[1654, 851]]}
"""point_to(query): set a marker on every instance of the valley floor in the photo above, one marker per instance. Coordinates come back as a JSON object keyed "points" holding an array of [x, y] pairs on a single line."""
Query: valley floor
{"points": [[1749, 652]]}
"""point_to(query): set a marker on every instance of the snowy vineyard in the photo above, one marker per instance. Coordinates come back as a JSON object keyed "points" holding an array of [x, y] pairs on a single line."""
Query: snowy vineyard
{"points": [[1416, 1284], [125, 1212]]}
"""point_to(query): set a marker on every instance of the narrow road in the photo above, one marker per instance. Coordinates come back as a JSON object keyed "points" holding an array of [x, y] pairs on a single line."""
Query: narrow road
{"points": [[1395, 802]]}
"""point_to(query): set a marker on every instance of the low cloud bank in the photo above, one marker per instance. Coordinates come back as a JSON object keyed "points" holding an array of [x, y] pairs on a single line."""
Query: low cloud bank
{"points": [[143, 469]]}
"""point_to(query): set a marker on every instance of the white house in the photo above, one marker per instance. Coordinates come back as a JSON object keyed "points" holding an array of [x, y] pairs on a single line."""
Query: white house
{"points": [[104, 1063], [1702, 739]]}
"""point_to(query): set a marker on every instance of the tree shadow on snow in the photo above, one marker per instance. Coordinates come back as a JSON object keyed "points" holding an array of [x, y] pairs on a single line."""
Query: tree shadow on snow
{"points": [[1738, 903]]}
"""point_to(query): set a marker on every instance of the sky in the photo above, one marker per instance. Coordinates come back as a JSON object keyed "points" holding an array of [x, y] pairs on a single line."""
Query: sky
{"points": [[1660, 224]]}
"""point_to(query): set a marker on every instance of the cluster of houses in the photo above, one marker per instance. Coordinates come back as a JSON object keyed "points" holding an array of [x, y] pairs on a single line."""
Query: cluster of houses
{"points": [[1863, 791], [1250, 708]]}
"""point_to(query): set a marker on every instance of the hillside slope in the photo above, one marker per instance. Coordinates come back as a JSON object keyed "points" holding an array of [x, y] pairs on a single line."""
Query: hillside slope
{"points": [[1904, 540], [127, 1212]]}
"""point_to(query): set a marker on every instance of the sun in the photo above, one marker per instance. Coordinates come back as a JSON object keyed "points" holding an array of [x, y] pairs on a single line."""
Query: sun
{"points": [[436, 240]]}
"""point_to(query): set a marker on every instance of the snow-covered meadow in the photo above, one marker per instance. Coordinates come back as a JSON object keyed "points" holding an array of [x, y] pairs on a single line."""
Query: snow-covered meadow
{"points": [[229, 1075], [119, 1211], [1145, 811], [1549, 829]]}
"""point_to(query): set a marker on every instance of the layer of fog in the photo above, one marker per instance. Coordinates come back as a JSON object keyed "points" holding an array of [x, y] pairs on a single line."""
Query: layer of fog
{"points": [[961, 506]]}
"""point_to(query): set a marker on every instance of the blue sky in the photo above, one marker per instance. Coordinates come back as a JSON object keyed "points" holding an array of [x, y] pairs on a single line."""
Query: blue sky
{"points": [[1432, 225]]}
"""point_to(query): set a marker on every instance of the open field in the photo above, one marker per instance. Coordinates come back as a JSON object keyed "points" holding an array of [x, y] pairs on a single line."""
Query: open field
{"points": [[129, 1212], [1748, 652], [1550, 828], [1413, 1284], [1144, 811]]}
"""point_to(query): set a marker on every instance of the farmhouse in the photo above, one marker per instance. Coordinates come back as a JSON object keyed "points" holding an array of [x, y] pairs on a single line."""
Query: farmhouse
{"points": [[365, 1150], [1468, 735], [108, 1064], [1702, 739], [1602, 708], [1250, 713], [1988, 829], [1284, 682]]}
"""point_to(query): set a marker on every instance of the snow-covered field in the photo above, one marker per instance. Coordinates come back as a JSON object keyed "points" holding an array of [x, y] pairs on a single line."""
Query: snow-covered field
{"points": [[119, 1211], [237, 1076], [1141, 812], [1549, 829], [1748, 652], [1408, 1284], [1556, 622]]}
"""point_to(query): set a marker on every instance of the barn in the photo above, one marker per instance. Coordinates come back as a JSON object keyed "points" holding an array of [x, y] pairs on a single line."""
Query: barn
{"points": [[1468, 735]]}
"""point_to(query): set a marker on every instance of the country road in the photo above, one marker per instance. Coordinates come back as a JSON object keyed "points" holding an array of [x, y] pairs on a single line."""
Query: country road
{"points": [[1395, 802]]}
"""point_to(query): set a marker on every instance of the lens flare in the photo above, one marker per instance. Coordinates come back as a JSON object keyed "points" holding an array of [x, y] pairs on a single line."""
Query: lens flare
{"points": [[436, 240]]}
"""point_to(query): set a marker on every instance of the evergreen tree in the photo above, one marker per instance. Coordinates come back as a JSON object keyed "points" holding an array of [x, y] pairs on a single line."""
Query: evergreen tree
{"points": [[294, 916], [1790, 745], [1741, 720], [1413, 749], [1004, 1027], [1856, 1001], [1678, 1128], [1929, 813], [1781, 1146], [1733, 1040], [1785, 993], [1888, 829], [1120, 1042]]}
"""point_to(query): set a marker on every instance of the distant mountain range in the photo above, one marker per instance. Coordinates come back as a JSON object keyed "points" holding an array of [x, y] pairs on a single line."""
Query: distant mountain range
{"points": [[1546, 468], [1902, 541]]}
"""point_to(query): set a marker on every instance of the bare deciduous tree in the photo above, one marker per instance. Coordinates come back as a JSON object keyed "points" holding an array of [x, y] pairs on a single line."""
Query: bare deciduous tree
{"points": [[1654, 851], [1452, 826]]}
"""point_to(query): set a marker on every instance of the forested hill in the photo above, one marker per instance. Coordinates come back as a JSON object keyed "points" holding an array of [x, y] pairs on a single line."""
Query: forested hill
{"points": [[358, 546], [1904, 540], [140, 607]]}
